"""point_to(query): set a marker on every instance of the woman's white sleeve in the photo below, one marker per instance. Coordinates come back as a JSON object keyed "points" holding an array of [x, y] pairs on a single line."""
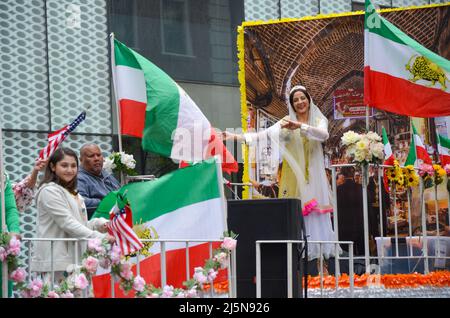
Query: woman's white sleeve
{"points": [[319, 133], [271, 132]]}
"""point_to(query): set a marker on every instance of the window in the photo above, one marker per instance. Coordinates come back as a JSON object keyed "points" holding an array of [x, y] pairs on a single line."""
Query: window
{"points": [[176, 35], [359, 6]]}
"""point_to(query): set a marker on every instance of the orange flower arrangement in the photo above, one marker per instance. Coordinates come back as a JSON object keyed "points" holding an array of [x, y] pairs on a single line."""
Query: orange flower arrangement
{"points": [[219, 287], [433, 279]]}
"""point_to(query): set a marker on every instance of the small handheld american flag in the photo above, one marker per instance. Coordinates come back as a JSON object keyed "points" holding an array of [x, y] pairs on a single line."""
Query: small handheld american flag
{"points": [[120, 226], [57, 137]]}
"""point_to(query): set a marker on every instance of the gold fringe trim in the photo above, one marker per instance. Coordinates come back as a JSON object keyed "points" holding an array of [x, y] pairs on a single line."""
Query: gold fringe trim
{"points": [[337, 15], [244, 110]]}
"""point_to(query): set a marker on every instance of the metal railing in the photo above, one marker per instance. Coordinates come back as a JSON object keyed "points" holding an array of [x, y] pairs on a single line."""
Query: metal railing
{"points": [[289, 245], [163, 251], [424, 253]]}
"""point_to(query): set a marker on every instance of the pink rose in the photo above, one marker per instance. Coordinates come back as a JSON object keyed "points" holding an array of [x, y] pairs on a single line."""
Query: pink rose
{"points": [[212, 274], [81, 281], [67, 294], [447, 169], [104, 262], [19, 275], [167, 292], [35, 287], [199, 276], [229, 243], [14, 246], [222, 258], [94, 244], [125, 271], [91, 264], [139, 284], [3, 254], [52, 294], [115, 254], [191, 293]]}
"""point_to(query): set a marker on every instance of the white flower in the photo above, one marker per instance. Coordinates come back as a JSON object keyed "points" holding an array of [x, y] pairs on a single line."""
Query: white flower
{"points": [[127, 160], [373, 136], [377, 150], [109, 165], [350, 137]]}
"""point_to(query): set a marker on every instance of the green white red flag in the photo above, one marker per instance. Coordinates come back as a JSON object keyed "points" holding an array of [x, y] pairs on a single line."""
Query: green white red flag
{"points": [[400, 75], [155, 108], [417, 150], [185, 204], [388, 158], [388, 155], [443, 149]]}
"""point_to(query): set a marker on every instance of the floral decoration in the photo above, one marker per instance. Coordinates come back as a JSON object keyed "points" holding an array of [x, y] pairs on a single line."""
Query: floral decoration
{"points": [[100, 253], [395, 175], [363, 149], [410, 177], [426, 172], [447, 171], [414, 280], [120, 162], [439, 174]]}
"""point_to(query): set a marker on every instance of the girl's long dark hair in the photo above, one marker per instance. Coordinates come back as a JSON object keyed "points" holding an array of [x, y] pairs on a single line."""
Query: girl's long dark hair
{"points": [[51, 176]]}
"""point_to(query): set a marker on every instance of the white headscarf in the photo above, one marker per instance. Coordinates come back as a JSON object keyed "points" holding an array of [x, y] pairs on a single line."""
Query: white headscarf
{"points": [[314, 112]]}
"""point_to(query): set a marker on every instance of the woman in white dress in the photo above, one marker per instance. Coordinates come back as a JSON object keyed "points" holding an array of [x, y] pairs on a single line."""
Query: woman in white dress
{"points": [[300, 136]]}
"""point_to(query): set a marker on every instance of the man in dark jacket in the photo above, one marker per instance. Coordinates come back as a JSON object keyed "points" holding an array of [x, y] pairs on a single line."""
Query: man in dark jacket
{"points": [[94, 183], [350, 212]]}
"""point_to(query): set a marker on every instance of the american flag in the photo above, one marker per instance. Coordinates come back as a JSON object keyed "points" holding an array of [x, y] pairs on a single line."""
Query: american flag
{"points": [[120, 228], [57, 137]]}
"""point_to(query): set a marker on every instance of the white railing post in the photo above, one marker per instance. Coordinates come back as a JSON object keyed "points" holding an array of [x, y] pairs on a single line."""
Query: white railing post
{"points": [[163, 264], [258, 270], [289, 269]]}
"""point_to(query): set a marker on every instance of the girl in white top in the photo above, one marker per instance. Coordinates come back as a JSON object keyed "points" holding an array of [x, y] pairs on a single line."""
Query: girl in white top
{"points": [[62, 214]]}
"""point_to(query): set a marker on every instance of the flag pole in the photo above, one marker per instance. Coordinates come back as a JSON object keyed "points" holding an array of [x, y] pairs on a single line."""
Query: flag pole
{"points": [[116, 102], [4, 227]]}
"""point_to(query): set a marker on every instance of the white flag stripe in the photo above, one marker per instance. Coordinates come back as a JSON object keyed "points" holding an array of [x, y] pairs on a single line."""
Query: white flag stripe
{"points": [[394, 65], [131, 84], [387, 151], [418, 141], [443, 151], [193, 131], [188, 217]]}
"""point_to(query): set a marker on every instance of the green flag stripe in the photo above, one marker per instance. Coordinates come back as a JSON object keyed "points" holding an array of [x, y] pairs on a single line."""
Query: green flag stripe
{"points": [[163, 104], [124, 56], [445, 142], [183, 187]]}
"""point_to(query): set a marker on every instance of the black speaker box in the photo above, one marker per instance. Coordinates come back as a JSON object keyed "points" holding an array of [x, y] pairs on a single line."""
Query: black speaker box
{"points": [[268, 219]]}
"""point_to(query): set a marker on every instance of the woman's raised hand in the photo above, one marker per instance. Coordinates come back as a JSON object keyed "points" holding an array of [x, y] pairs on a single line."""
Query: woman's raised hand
{"points": [[226, 135], [291, 124]]}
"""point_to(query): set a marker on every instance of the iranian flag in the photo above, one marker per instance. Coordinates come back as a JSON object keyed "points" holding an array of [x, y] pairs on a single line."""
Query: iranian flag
{"points": [[388, 155], [417, 150], [443, 149], [155, 108], [388, 158], [185, 204], [400, 75]]}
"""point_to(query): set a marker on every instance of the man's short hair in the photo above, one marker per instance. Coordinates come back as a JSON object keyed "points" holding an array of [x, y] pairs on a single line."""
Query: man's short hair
{"points": [[83, 148], [348, 172]]}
